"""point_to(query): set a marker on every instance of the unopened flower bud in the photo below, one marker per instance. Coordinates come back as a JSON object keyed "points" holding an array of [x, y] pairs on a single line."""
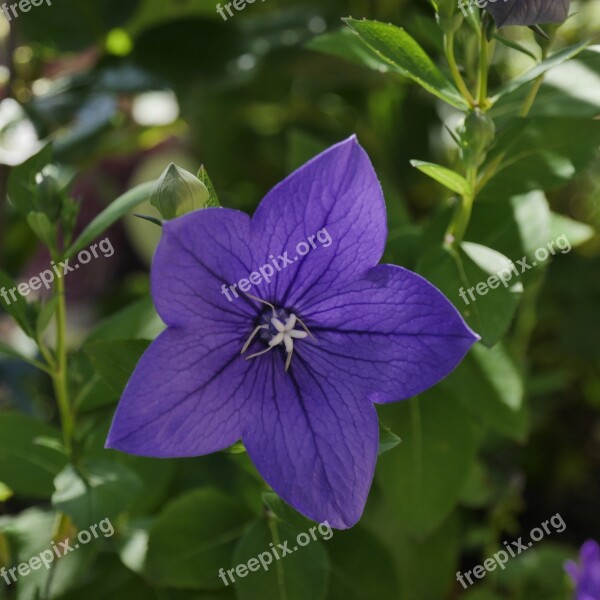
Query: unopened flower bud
{"points": [[178, 192]]}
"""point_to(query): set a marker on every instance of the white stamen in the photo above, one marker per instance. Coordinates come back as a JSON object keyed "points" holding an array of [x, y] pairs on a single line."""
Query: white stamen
{"points": [[286, 334]]}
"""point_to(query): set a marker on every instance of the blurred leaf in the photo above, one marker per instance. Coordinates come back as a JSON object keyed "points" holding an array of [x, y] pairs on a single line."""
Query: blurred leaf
{"points": [[284, 511], [95, 490], [398, 48], [423, 478], [387, 439], [115, 361], [553, 61], [73, 25], [362, 567], [22, 183], [422, 557], [569, 90], [577, 233], [136, 321], [347, 45], [300, 575], [495, 389], [456, 272], [112, 213], [448, 178], [541, 153], [43, 229], [28, 468], [193, 538], [213, 197], [515, 46]]}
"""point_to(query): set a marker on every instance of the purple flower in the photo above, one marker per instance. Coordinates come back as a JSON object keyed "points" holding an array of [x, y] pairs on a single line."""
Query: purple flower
{"points": [[527, 12], [331, 334], [586, 574]]}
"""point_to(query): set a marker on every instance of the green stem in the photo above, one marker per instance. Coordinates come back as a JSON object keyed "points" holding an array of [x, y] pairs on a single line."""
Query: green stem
{"points": [[458, 78], [59, 376], [482, 82], [458, 226], [533, 92]]}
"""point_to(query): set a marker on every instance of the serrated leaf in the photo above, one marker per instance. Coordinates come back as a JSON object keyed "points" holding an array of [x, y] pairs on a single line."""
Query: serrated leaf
{"points": [[400, 50]]}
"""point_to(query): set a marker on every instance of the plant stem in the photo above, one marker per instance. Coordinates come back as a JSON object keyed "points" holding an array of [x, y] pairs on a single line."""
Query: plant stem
{"points": [[458, 78], [59, 376], [458, 226], [482, 82]]}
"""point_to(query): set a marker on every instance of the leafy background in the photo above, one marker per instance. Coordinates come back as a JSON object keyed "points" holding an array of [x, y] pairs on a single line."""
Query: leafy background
{"points": [[511, 438]]}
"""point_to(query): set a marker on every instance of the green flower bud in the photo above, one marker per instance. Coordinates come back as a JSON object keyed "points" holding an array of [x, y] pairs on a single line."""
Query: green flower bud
{"points": [[477, 135], [49, 195], [178, 192]]}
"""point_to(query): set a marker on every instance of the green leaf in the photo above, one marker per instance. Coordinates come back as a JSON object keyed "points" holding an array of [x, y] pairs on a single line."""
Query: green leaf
{"points": [[300, 575], [541, 153], [16, 306], [495, 388], [422, 480], [112, 213], [45, 316], [400, 50], [284, 511], [213, 197], [136, 321], [43, 229], [571, 89], [115, 361], [345, 44], [387, 439], [531, 75], [94, 490], [26, 467], [577, 233], [448, 178], [457, 273], [515, 46], [193, 538], [361, 567], [22, 184]]}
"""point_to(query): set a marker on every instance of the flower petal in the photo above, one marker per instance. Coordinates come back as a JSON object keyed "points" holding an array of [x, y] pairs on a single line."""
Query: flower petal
{"points": [[198, 254], [392, 333], [339, 191], [187, 397], [313, 442], [527, 12]]}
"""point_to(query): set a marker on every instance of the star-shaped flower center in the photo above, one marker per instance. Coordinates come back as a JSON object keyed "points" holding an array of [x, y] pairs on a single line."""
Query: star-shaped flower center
{"points": [[277, 326]]}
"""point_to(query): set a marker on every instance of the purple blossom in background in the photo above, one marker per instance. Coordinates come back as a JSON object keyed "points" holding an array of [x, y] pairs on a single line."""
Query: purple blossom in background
{"points": [[295, 373], [586, 574], [528, 12]]}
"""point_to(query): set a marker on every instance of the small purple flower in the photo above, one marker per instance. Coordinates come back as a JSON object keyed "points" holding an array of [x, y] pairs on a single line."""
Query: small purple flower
{"points": [[527, 12], [586, 574], [331, 334]]}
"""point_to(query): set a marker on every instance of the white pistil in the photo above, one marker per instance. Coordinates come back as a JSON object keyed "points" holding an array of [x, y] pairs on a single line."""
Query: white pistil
{"points": [[286, 334]]}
